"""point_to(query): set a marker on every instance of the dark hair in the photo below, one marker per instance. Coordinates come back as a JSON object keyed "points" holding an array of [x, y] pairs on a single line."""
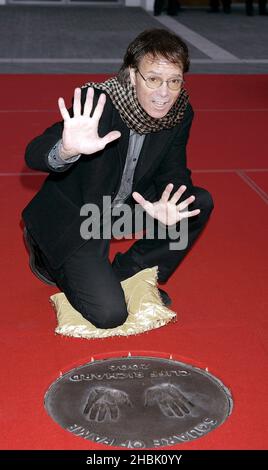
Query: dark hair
{"points": [[157, 43]]}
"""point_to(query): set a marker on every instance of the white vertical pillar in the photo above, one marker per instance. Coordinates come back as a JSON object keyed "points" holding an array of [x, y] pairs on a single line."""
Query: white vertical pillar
{"points": [[132, 3], [146, 4]]}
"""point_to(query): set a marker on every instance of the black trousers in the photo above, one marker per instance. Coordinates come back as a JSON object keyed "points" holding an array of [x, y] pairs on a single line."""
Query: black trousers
{"points": [[262, 6], [91, 282], [215, 5], [172, 6]]}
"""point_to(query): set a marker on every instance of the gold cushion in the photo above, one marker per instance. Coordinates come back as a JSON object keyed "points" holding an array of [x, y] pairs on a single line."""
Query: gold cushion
{"points": [[144, 305]]}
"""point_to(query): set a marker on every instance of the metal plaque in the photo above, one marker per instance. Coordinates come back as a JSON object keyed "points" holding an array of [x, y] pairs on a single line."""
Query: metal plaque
{"points": [[138, 402]]}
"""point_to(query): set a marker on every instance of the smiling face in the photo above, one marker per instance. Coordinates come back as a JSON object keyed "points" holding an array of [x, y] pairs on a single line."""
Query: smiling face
{"points": [[156, 102]]}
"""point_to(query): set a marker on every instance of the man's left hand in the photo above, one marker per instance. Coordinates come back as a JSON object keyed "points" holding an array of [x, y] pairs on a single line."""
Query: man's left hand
{"points": [[166, 210]]}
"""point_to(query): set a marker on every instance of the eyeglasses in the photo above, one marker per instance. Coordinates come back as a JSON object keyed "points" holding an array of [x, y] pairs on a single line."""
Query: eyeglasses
{"points": [[154, 82]]}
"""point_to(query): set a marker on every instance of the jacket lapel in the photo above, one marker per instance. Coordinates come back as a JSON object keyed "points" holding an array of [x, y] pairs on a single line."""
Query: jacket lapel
{"points": [[122, 146], [152, 148]]}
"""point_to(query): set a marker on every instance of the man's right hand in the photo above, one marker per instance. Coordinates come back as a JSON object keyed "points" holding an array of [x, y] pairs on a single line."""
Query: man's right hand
{"points": [[80, 133]]}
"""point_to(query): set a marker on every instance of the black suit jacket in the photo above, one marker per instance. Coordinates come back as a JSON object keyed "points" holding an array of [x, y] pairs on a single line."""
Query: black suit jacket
{"points": [[53, 215]]}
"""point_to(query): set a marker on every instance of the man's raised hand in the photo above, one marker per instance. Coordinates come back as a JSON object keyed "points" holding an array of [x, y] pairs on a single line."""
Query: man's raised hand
{"points": [[167, 210], [80, 132]]}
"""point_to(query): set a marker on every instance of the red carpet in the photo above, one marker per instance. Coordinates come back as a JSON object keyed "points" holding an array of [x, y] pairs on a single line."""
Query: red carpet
{"points": [[219, 291]]}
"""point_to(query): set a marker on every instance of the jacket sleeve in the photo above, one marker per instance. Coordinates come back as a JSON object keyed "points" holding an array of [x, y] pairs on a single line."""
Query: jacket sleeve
{"points": [[173, 168], [38, 150]]}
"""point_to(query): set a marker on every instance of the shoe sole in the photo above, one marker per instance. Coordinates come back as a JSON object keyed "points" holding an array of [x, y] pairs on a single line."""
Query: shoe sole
{"points": [[32, 261], [165, 297]]}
